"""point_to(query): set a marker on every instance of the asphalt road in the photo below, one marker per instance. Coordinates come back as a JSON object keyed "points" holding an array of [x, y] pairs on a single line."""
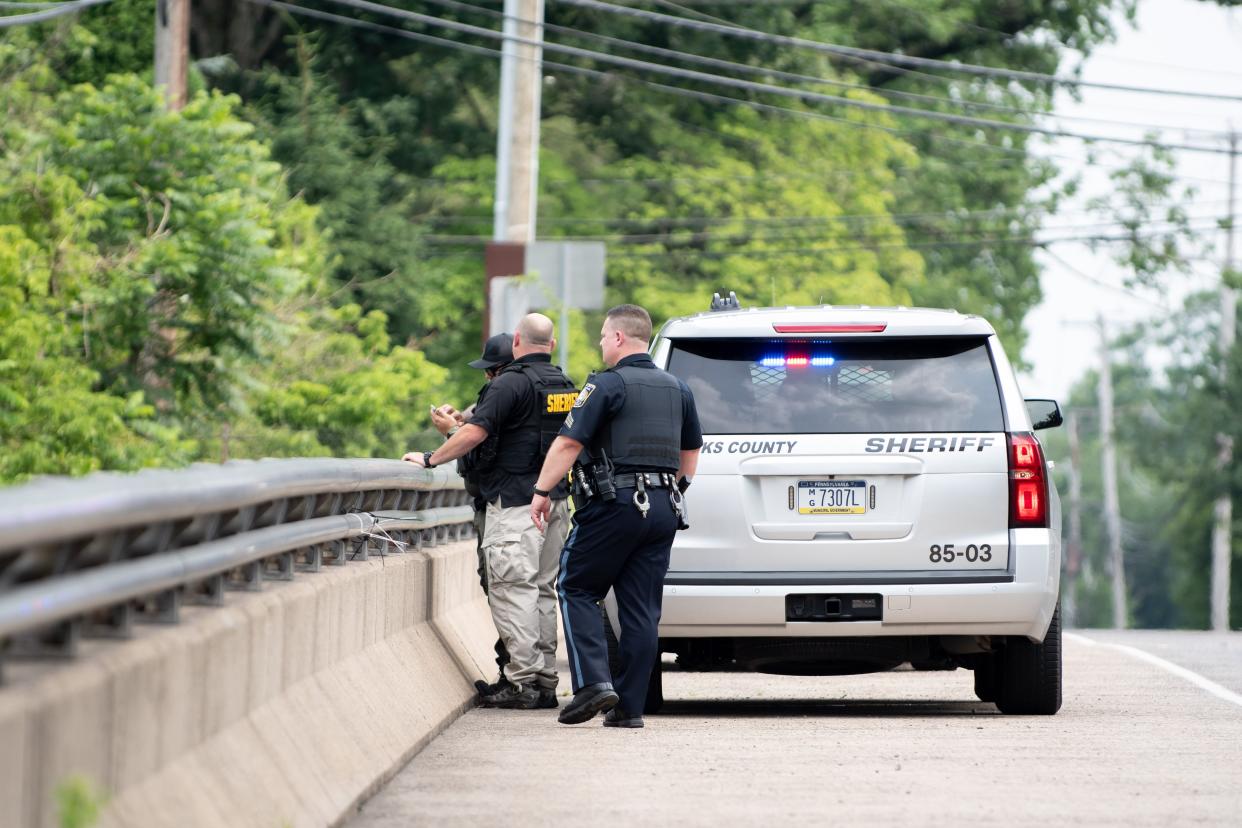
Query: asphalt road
{"points": [[1134, 744]]}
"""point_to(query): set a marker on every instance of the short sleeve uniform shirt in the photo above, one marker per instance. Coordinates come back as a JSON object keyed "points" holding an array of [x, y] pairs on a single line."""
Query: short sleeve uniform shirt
{"points": [[602, 397]]}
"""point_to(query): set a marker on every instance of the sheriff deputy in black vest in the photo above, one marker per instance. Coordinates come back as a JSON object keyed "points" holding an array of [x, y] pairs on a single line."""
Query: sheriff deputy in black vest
{"points": [[635, 435], [525, 406], [497, 353]]}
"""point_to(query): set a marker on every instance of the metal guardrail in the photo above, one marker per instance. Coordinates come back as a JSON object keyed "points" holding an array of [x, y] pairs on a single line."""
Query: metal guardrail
{"points": [[92, 555]]}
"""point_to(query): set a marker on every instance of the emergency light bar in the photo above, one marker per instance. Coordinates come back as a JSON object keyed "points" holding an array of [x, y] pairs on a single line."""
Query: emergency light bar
{"points": [[797, 361], [858, 327]]}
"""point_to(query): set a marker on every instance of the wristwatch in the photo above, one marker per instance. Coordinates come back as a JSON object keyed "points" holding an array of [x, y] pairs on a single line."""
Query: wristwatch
{"points": [[542, 492], [427, 460]]}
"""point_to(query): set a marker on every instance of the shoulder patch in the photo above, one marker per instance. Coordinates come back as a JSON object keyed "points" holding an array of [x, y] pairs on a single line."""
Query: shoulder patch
{"points": [[584, 395]]}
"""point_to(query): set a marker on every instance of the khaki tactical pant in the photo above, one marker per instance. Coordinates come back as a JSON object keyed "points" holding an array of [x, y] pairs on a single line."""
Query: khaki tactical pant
{"points": [[522, 566]]}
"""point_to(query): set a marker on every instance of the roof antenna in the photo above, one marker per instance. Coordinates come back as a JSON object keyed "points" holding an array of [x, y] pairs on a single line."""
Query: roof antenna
{"points": [[726, 304]]}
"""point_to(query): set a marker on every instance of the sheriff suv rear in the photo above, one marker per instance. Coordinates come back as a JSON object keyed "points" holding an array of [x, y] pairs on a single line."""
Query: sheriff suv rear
{"points": [[871, 493]]}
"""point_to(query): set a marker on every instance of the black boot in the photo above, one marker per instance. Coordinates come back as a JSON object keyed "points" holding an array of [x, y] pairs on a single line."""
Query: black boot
{"points": [[514, 697], [592, 699]]}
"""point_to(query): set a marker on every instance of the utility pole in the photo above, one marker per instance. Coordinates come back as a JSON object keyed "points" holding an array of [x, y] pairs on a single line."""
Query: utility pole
{"points": [[517, 142], [1073, 557], [1222, 530], [172, 50], [1108, 460], [517, 150]]}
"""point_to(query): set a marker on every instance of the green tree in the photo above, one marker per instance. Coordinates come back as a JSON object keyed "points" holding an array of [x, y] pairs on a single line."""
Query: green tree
{"points": [[1165, 434], [163, 299]]}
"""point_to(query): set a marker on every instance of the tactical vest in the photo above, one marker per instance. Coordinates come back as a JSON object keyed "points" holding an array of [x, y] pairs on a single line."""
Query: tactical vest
{"points": [[646, 433], [523, 447], [478, 458]]}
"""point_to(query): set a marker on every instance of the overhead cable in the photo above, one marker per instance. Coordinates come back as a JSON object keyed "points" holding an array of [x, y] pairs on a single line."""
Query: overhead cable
{"points": [[694, 238], [794, 77], [756, 86], [47, 14], [1015, 155], [1006, 214], [892, 58], [1100, 282], [763, 253], [661, 87]]}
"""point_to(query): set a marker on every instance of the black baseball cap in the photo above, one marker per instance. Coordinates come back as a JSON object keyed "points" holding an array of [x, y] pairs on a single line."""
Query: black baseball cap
{"points": [[498, 350]]}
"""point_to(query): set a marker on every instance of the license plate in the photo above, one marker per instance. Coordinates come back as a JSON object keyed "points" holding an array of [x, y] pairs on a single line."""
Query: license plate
{"points": [[832, 497]]}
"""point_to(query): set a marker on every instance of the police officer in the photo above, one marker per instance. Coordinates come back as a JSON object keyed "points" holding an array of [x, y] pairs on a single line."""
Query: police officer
{"points": [[497, 353], [635, 434], [524, 408]]}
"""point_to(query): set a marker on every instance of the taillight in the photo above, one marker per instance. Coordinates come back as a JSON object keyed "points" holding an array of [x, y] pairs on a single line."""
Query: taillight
{"points": [[1028, 485]]}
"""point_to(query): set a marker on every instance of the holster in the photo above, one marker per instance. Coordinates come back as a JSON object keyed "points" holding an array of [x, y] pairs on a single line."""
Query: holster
{"points": [[592, 480]]}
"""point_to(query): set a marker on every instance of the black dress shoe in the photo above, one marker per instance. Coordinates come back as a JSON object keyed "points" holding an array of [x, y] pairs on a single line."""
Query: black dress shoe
{"points": [[617, 717], [592, 699]]}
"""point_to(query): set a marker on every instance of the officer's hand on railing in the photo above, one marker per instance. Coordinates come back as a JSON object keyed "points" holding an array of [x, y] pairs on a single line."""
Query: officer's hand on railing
{"points": [[415, 457], [540, 507]]}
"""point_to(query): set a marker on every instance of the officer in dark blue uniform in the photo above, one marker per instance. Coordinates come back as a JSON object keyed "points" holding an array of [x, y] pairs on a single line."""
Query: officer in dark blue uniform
{"points": [[633, 438]]}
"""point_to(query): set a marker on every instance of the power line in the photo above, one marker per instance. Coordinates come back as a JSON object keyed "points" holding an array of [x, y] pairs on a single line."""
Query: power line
{"points": [[801, 251], [682, 221], [967, 163], [349, 21], [797, 77], [869, 63], [47, 14], [891, 58], [596, 73], [1016, 156], [1101, 283], [755, 86], [893, 234]]}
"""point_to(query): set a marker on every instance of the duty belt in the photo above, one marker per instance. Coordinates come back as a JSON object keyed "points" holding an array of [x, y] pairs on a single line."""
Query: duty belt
{"points": [[650, 480]]}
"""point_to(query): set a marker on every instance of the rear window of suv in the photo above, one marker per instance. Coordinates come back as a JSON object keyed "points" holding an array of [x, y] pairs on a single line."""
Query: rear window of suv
{"points": [[857, 386]]}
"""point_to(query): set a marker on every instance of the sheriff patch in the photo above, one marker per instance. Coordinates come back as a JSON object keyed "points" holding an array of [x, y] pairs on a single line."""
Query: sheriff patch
{"points": [[560, 403], [584, 395]]}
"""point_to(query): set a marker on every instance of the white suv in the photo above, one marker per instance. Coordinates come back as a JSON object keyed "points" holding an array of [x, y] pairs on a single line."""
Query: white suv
{"points": [[870, 493]]}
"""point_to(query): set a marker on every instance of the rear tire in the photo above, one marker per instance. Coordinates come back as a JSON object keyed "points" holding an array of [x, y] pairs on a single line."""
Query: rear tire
{"points": [[1028, 675], [985, 678]]}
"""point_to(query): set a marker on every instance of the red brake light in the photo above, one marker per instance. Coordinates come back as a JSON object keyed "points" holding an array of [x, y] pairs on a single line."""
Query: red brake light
{"points": [[1028, 486], [1025, 455], [853, 328]]}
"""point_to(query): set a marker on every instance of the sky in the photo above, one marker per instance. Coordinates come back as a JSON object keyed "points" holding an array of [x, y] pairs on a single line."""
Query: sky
{"points": [[1179, 44]]}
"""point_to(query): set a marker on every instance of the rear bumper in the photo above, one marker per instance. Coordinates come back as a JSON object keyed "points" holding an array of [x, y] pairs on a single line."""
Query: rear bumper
{"points": [[1018, 601]]}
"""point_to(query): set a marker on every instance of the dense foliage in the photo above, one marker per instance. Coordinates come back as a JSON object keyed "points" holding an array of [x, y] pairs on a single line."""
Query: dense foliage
{"points": [[293, 264], [1166, 422], [154, 278]]}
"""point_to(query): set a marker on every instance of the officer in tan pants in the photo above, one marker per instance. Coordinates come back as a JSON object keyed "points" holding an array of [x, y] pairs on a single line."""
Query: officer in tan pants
{"points": [[524, 407]]}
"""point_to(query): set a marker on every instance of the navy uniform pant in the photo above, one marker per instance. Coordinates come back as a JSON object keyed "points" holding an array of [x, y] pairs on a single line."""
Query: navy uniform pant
{"points": [[611, 546]]}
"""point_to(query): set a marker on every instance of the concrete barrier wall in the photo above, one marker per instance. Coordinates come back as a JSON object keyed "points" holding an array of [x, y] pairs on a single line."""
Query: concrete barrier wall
{"points": [[283, 707]]}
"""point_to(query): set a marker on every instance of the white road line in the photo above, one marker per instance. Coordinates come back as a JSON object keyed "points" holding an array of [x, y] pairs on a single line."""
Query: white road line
{"points": [[1194, 678]]}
